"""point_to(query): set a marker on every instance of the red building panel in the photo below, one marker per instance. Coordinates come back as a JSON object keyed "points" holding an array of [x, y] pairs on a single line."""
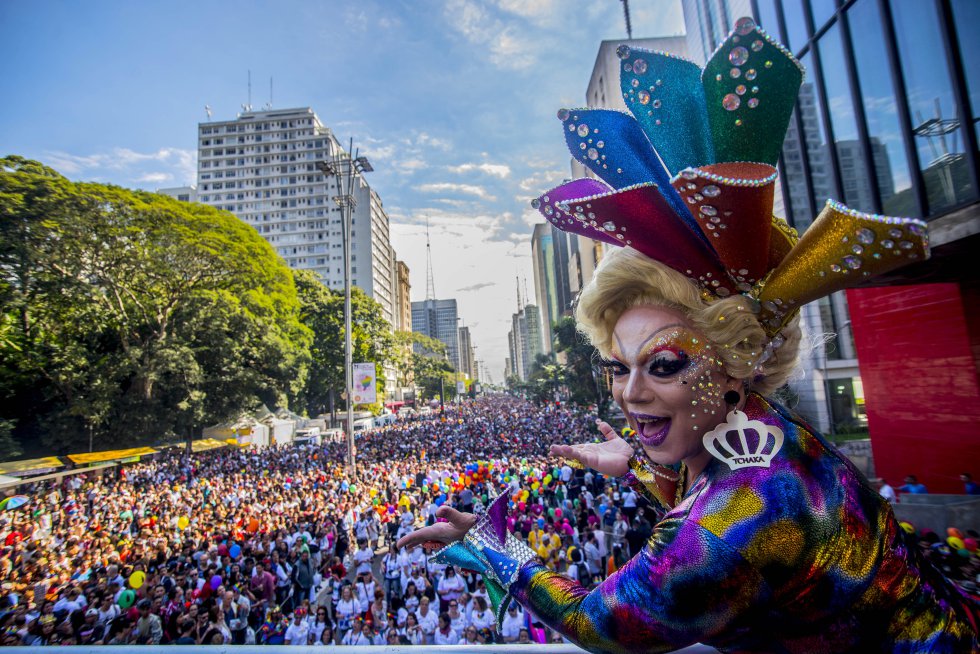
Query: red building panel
{"points": [[917, 351]]}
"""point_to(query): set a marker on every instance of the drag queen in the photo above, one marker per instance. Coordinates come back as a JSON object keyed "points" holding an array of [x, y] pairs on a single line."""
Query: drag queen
{"points": [[769, 540]]}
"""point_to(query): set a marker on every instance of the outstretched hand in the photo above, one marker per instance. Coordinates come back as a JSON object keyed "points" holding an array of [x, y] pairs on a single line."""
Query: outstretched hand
{"points": [[441, 533], [610, 457]]}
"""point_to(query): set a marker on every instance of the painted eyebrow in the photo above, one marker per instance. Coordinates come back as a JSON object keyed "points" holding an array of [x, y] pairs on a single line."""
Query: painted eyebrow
{"points": [[651, 336]]}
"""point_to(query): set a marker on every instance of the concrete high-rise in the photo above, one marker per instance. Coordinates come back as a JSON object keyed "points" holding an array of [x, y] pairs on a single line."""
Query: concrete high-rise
{"points": [[262, 168]]}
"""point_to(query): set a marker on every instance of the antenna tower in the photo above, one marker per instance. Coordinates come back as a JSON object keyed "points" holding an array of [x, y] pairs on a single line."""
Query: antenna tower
{"points": [[626, 14], [430, 284], [517, 279]]}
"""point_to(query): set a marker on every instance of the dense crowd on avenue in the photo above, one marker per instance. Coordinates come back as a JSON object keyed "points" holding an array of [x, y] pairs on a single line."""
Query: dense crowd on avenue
{"points": [[279, 546]]}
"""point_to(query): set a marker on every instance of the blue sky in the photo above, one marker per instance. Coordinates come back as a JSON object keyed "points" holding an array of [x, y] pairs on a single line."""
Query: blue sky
{"points": [[454, 101]]}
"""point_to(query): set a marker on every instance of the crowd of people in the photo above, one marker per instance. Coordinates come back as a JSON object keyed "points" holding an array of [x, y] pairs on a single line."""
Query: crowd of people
{"points": [[279, 546]]}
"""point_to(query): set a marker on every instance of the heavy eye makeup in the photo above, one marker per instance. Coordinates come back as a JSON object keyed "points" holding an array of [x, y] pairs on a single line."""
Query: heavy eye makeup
{"points": [[664, 362]]}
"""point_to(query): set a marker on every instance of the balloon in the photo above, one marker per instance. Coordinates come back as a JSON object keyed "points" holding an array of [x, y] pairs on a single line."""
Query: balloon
{"points": [[521, 506], [222, 550], [541, 523], [558, 514], [547, 479], [535, 486], [551, 512], [970, 544], [965, 553], [183, 522], [215, 582], [567, 528], [956, 543], [137, 579], [253, 526], [126, 599], [954, 532], [373, 492], [235, 550], [909, 529]]}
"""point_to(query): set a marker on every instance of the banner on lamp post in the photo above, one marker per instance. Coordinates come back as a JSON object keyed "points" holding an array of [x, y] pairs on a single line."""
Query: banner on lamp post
{"points": [[365, 389], [460, 388]]}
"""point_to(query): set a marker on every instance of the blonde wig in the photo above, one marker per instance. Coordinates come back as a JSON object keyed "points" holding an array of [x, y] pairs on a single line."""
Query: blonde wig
{"points": [[625, 278]]}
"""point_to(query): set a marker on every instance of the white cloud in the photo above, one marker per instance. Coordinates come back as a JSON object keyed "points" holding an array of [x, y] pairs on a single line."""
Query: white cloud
{"points": [[541, 181], [155, 178], [426, 140], [496, 170], [542, 12], [507, 47], [446, 187], [180, 165]]}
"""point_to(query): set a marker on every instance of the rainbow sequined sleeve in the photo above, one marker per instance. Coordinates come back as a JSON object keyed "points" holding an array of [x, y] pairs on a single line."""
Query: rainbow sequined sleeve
{"points": [[686, 585]]}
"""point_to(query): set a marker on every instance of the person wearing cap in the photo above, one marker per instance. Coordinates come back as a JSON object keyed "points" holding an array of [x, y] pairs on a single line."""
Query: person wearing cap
{"points": [[298, 631], [90, 632], [149, 630], [513, 622]]}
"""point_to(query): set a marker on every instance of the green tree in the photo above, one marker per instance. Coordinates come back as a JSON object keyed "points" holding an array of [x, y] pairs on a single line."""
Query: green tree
{"points": [[136, 318], [371, 340], [431, 369], [580, 378]]}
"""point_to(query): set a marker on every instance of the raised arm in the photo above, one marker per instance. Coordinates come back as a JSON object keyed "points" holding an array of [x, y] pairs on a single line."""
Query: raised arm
{"points": [[683, 587]]}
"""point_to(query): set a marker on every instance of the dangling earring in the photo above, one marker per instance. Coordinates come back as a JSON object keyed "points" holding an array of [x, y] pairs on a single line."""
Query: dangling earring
{"points": [[738, 452]]}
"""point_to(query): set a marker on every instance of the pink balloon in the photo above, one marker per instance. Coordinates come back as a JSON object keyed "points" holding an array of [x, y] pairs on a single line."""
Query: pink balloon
{"points": [[970, 544], [567, 528], [521, 506], [557, 514]]}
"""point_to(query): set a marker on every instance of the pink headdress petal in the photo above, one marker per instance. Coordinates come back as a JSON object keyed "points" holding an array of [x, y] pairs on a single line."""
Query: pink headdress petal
{"points": [[641, 218], [732, 203], [552, 206]]}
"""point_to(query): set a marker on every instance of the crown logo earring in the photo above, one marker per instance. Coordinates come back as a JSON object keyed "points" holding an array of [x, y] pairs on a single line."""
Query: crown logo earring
{"points": [[740, 442]]}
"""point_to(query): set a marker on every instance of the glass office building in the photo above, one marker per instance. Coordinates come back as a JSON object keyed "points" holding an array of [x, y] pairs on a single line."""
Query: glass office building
{"points": [[887, 122]]}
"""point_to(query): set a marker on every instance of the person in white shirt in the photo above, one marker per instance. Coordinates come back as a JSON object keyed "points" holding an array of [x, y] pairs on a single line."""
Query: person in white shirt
{"points": [[885, 490], [445, 634], [428, 620], [469, 637], [450, 587], [412, 631], [364, 590], [457, 616], [363, 557], [482, 617], [298, 632], [513, 622], [363, 635]]}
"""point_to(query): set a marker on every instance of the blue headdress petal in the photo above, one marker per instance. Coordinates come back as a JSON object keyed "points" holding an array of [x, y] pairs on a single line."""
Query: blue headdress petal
{"points": [[665, 94], [614, 147]]}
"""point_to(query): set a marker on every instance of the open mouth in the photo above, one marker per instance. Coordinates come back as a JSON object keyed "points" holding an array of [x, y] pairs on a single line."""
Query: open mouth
{"points": [[651, 430]]}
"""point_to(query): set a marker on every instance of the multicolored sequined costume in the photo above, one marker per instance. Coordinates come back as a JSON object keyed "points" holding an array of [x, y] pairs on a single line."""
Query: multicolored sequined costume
{"points": [[802, 556]]}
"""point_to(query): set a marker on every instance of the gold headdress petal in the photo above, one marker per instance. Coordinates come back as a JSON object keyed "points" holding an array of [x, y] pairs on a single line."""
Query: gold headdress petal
{"points": [[840, 249]]}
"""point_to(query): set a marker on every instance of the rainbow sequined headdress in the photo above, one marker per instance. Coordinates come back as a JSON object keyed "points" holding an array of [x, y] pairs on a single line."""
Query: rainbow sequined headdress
{"points": [[688, 180]]}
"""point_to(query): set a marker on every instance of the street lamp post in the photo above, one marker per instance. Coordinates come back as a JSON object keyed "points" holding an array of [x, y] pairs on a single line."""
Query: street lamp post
{"points": [[346, 168]]}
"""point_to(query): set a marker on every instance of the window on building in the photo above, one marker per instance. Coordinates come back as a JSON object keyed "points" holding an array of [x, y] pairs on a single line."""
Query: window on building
{"points": [[932, 106], [856, 191], [878, 98]]}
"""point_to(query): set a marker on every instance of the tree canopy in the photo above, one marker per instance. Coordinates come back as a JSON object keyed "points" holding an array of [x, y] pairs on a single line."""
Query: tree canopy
{"points": [[322, 310], [132, 317]]}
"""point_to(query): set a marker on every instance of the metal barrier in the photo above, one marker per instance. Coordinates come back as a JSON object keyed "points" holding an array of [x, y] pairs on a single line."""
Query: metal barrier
{"points": [[378, 649]]}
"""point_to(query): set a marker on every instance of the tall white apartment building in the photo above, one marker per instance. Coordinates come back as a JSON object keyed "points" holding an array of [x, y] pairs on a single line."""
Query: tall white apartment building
{"points": [[262, 168]]}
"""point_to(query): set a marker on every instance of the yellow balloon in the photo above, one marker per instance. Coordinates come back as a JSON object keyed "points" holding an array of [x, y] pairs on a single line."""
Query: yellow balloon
{"points": [[182, 522], [956, 543], [137, 579]]}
